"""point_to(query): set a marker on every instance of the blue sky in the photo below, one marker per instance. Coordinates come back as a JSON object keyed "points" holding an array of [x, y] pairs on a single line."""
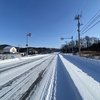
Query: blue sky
{"points": [[47, 20]]}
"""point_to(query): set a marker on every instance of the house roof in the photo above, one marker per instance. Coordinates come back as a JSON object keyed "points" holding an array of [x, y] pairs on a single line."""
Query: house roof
{"points": [[3, 46], [8, 47]]}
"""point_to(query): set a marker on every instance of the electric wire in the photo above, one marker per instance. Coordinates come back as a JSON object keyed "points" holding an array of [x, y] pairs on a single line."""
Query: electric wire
{"points": [[90, 24], [79, 6], [73, 30], [83, 6], [87, 5], [90, 27], [90, 20]]}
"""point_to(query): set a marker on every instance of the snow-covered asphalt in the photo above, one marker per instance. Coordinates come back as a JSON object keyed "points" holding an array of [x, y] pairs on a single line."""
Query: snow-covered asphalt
{"points": [[50, 77], [85, 75], [15, 82], [65, 86]]}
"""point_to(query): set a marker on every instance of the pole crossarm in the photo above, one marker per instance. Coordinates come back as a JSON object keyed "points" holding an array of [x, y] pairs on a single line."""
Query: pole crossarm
{"points": [[66, 38]]}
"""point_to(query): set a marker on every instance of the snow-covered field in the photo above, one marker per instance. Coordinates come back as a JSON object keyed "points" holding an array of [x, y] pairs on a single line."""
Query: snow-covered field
{"points": [[50, 77]]}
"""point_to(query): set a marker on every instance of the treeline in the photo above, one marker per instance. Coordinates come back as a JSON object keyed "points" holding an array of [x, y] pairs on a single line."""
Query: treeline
{"points": [[86, 43]]}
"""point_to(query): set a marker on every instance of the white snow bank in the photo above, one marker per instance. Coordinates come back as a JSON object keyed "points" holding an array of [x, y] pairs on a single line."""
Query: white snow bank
{"points": [[20, 58]]}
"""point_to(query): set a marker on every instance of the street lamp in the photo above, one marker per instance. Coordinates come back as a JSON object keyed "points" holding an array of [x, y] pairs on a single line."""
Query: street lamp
{"points": [[29, 34], [69, 38]]}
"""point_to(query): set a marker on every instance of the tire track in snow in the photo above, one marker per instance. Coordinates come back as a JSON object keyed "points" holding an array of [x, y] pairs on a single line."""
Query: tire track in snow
{"points": [[6, 68], [46, 89], [21, 81]]}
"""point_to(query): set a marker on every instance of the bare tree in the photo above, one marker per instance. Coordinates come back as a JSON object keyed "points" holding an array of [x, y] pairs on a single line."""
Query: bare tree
{"points": [[94, 40], [88, 41]]}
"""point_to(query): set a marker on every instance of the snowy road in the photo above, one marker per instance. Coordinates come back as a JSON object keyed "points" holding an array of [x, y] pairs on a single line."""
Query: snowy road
{"points": [[85, 74], [16, 81], [50, 77], [64, 83]]}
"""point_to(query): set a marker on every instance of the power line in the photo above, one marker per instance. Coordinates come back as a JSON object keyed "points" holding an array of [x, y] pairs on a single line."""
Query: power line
{"points": [[91, 27], [80, 6], [91, 22], [73, 30], [84, 5], [89, 6]]}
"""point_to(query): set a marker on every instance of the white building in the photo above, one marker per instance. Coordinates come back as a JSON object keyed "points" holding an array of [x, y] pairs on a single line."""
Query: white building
{"points": [[9, 49]]}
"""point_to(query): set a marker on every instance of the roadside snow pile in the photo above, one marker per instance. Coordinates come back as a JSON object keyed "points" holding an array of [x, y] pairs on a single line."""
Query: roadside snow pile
{"points": [[21, 58], [94, 64], [97, 57]]}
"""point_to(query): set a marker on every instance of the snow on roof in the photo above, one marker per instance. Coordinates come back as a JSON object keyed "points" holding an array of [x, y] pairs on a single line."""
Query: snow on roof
{"points": [[8, 47], [3, 46]]}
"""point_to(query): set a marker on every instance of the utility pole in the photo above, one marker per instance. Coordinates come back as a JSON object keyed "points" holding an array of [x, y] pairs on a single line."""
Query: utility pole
{"points": [[27, 35], [27, 44], [72, 44], [78, 18]]}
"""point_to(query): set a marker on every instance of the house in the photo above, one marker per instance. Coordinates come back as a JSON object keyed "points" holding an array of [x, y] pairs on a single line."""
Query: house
{"points": [[30, 50], [7, 49]]}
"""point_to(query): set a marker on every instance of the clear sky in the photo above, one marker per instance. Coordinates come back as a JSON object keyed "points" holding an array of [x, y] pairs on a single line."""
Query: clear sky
{"points": [[47, 20]]}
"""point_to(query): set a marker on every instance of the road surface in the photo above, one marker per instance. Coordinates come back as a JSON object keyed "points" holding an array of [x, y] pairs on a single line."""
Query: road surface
{"points": [[50, 77]]}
